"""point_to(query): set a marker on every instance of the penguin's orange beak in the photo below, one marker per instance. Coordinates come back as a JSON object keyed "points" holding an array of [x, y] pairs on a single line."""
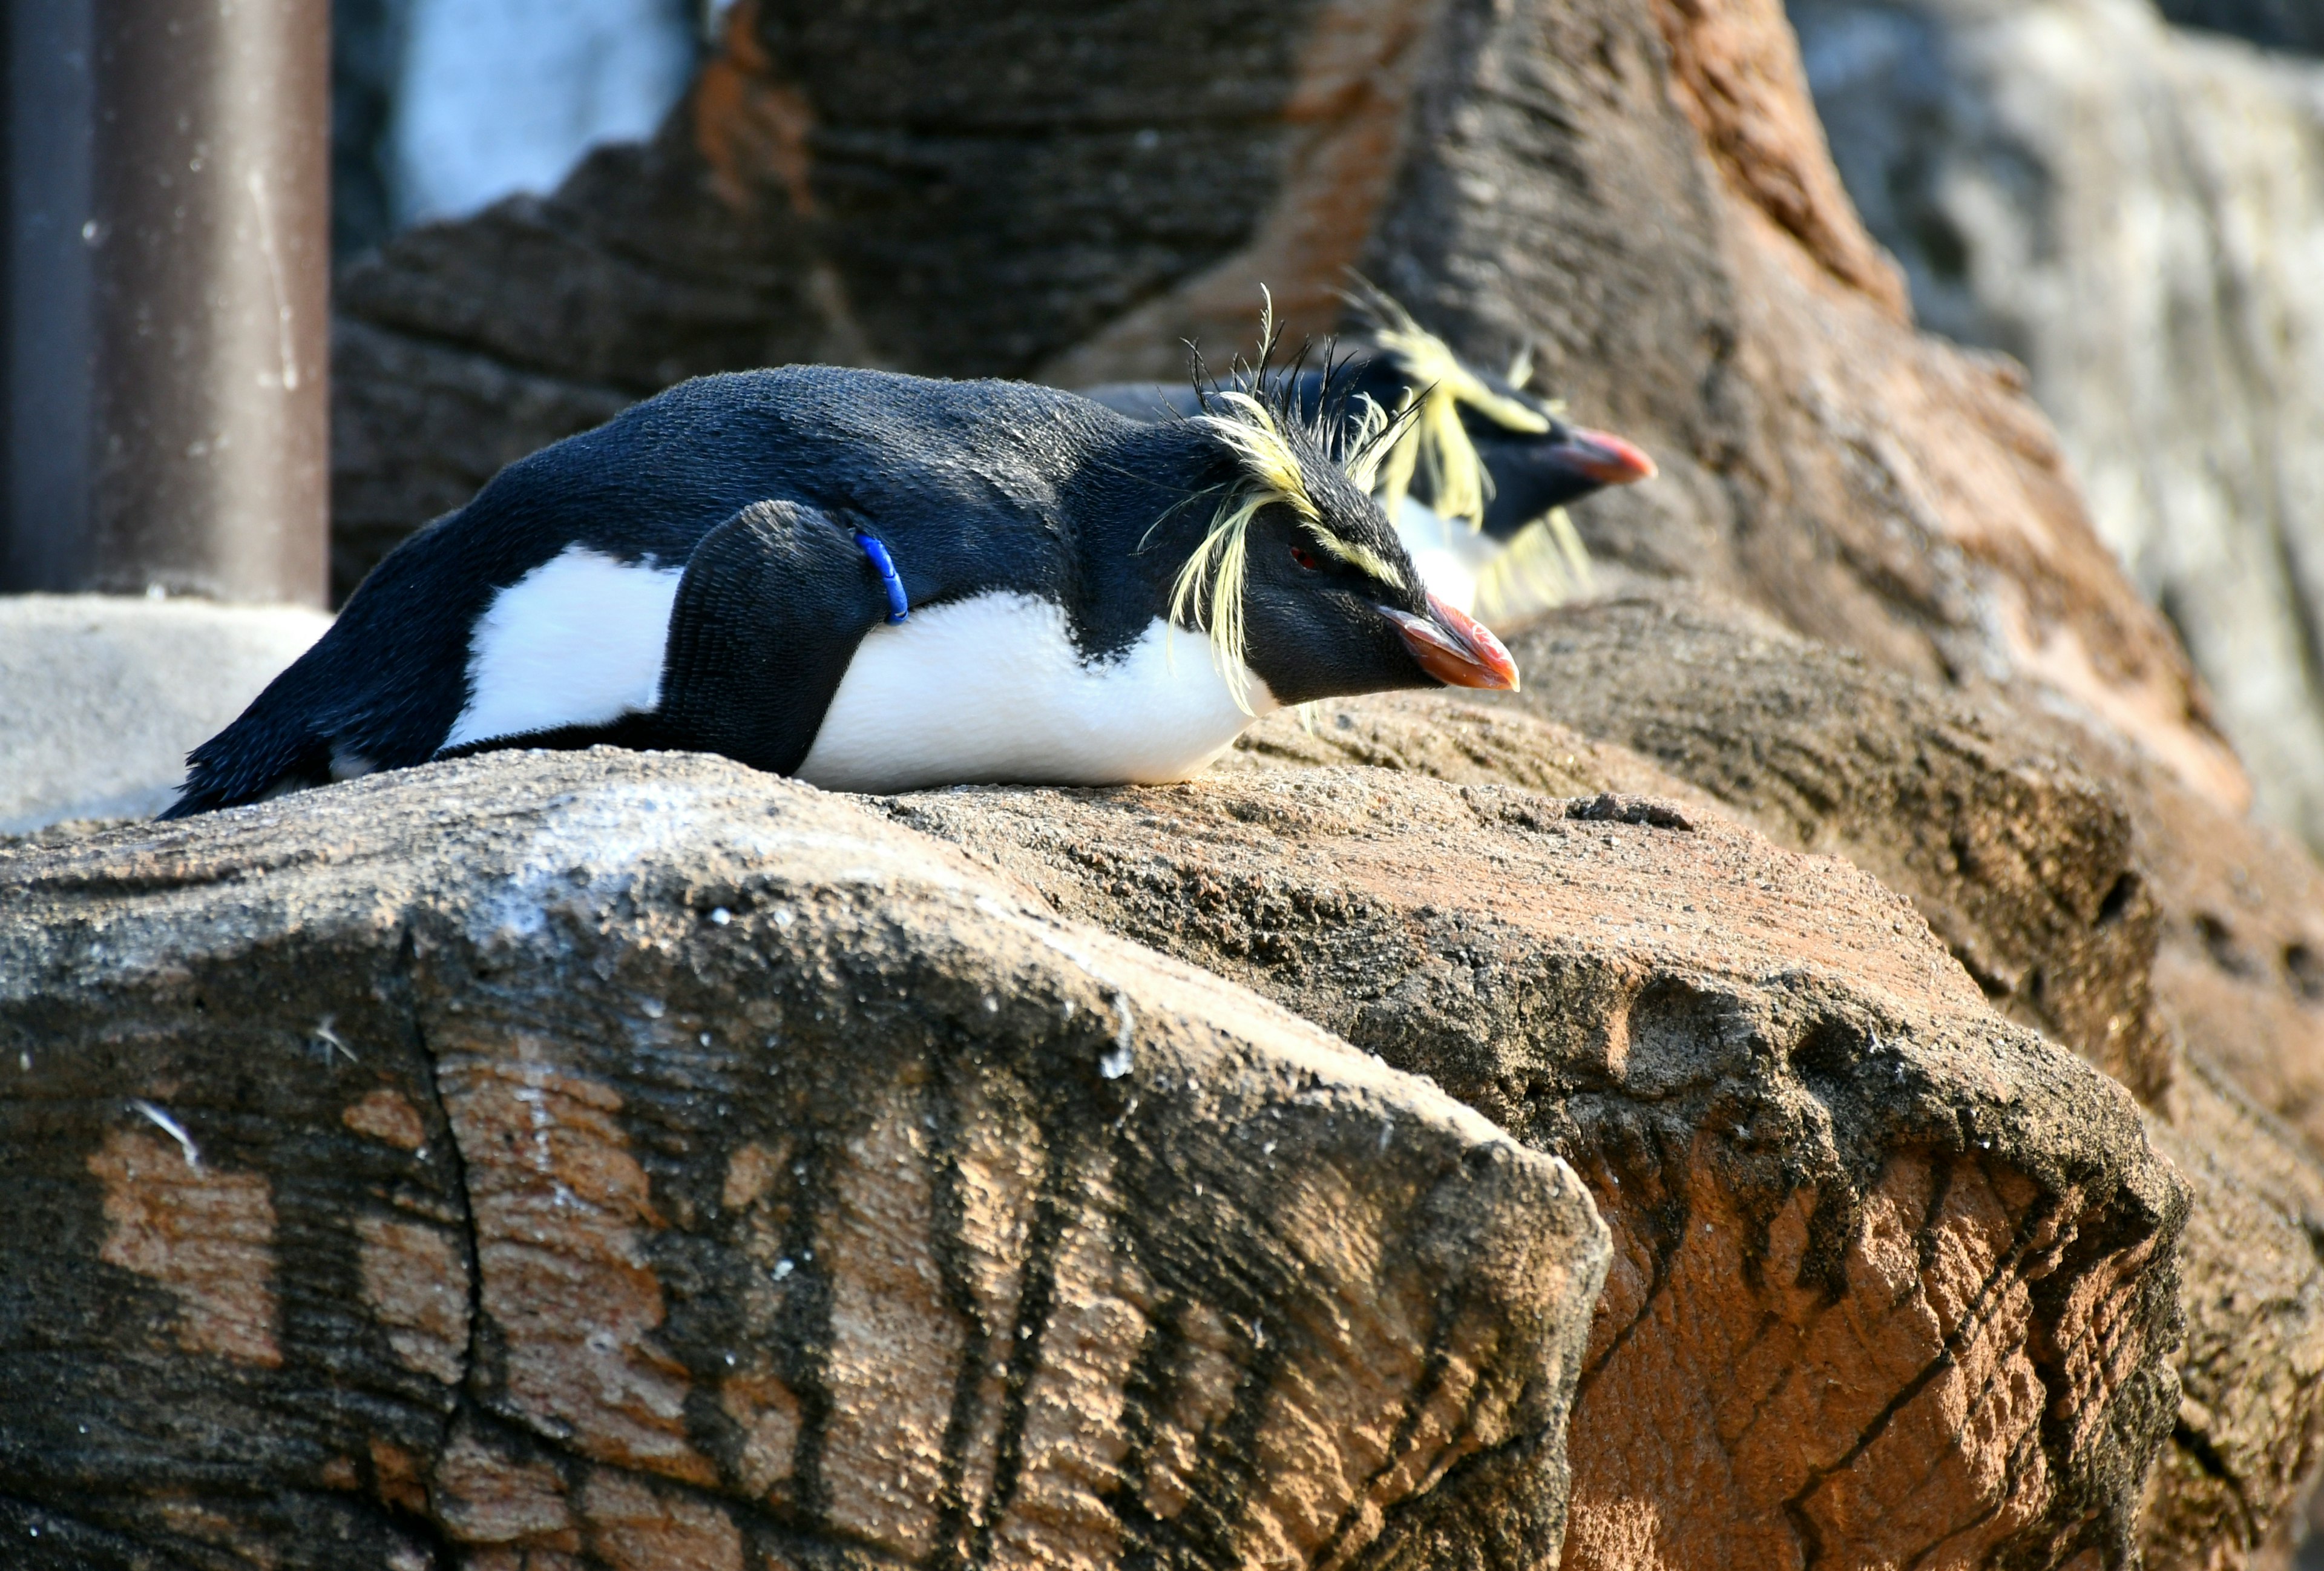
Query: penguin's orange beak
{"points": [[1454, 648], [1604, 458]]}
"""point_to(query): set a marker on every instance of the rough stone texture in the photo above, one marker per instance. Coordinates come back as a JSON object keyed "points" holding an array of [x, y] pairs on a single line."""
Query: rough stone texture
{"points": [[2137, 213], [1992, 834], [2089, 892], [1448, 738], [1865, 1230], [1641, 193], [2084, 888], [635, 1161], [104, 695], [2021, 861], [2226, 1492]]}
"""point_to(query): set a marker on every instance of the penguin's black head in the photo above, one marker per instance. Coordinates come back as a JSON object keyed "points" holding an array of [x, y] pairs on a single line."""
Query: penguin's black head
{"points": [[1533, 472], [1300, 578]]}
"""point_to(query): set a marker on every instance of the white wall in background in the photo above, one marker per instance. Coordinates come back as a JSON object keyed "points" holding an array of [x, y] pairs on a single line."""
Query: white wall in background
{"points": [[495, 97]]}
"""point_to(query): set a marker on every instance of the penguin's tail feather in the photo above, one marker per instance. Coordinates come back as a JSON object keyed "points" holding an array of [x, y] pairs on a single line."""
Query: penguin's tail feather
{"points": [[256, 757]]}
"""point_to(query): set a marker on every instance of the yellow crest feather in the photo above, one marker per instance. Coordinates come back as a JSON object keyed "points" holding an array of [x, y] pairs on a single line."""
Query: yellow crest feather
{"points": [[1209, 589], [1434, 442], [1545, 564]]}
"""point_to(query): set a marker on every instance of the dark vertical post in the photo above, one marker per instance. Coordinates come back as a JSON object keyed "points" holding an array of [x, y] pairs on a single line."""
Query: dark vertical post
{"points": [[51, 118], [168, 271]]}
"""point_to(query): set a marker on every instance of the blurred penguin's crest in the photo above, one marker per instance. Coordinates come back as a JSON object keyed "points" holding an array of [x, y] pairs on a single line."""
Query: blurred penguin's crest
{"points": [[1544, 565], [1430, 437]]}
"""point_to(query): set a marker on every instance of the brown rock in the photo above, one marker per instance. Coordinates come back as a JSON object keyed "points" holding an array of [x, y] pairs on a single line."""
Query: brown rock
{"points": [[2226, 1491], [2243, 926], [1865, 1230], [1448, 738], [2090, 894], [2021, 860], [556, 1160], [2087, 887]]}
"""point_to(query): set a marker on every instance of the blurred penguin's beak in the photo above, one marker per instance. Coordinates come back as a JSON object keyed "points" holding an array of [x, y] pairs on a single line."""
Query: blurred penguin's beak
{"points": [[1454, 648], [1602, 457]]}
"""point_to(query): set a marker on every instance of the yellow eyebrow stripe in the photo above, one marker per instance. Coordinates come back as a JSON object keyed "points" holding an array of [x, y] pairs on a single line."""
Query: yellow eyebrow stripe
{"points": [[1363, 559]]}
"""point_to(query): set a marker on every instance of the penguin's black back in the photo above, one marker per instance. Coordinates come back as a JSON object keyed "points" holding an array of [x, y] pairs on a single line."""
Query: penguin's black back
{"points": [[992, 475]]}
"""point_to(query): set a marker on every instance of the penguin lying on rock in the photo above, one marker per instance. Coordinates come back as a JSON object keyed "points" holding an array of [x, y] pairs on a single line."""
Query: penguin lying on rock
{"points": [[875, 583], [1479, 470]]}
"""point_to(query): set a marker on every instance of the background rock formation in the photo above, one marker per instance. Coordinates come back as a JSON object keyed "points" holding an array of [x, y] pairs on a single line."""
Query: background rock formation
{"points": [[2137, 213]]}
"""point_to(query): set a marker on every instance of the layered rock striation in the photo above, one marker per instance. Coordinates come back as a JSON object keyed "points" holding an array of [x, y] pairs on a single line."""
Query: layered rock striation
{"points": [[1844, 1193]]}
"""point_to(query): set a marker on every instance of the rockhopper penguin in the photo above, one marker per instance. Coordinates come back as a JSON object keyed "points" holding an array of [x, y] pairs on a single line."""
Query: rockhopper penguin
{"points": [[1479, 473], [874, 582]]}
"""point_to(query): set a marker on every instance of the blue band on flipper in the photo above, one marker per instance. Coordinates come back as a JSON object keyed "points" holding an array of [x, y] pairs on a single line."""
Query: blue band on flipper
{"points": [[898, 606]]}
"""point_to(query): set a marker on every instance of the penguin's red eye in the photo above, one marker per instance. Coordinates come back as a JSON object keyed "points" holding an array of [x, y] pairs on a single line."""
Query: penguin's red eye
{"points": [[1305, 558]]}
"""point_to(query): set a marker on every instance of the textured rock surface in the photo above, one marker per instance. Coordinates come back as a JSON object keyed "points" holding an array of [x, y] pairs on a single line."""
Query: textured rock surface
{"points": [[2083, 886], [1992, 834], [1865, 1230], [1996, 837], [601, 1160], [1450, 738], [2135, 212], [2226, 1491], [104, 695], [2092, 896], [1639, 192], [2021, 861]]}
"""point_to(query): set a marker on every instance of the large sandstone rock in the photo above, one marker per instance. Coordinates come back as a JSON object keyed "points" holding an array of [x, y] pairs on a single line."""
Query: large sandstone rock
{"points": [[550, 1161], [2089, 893], [1640, 193], [2135, 212], [1997, 838], [2227, 1489], [2021, 860], [1894, 1279]]}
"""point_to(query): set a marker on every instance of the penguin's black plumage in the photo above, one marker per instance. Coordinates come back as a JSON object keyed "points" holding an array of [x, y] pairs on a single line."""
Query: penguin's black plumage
{"points": [[1092, 599]]}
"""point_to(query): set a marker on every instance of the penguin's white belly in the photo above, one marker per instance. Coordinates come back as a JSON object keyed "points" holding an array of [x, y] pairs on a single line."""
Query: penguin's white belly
{"points": [[1451, 556], [992, 689], [578, 640]]}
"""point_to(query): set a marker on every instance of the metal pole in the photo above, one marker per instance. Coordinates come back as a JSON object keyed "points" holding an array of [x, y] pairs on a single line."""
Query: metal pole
{"points": [[168, 281]]}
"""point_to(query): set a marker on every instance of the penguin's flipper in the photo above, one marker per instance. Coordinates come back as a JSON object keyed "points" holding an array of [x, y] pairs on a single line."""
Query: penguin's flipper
{"points": [[768, 616]]}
